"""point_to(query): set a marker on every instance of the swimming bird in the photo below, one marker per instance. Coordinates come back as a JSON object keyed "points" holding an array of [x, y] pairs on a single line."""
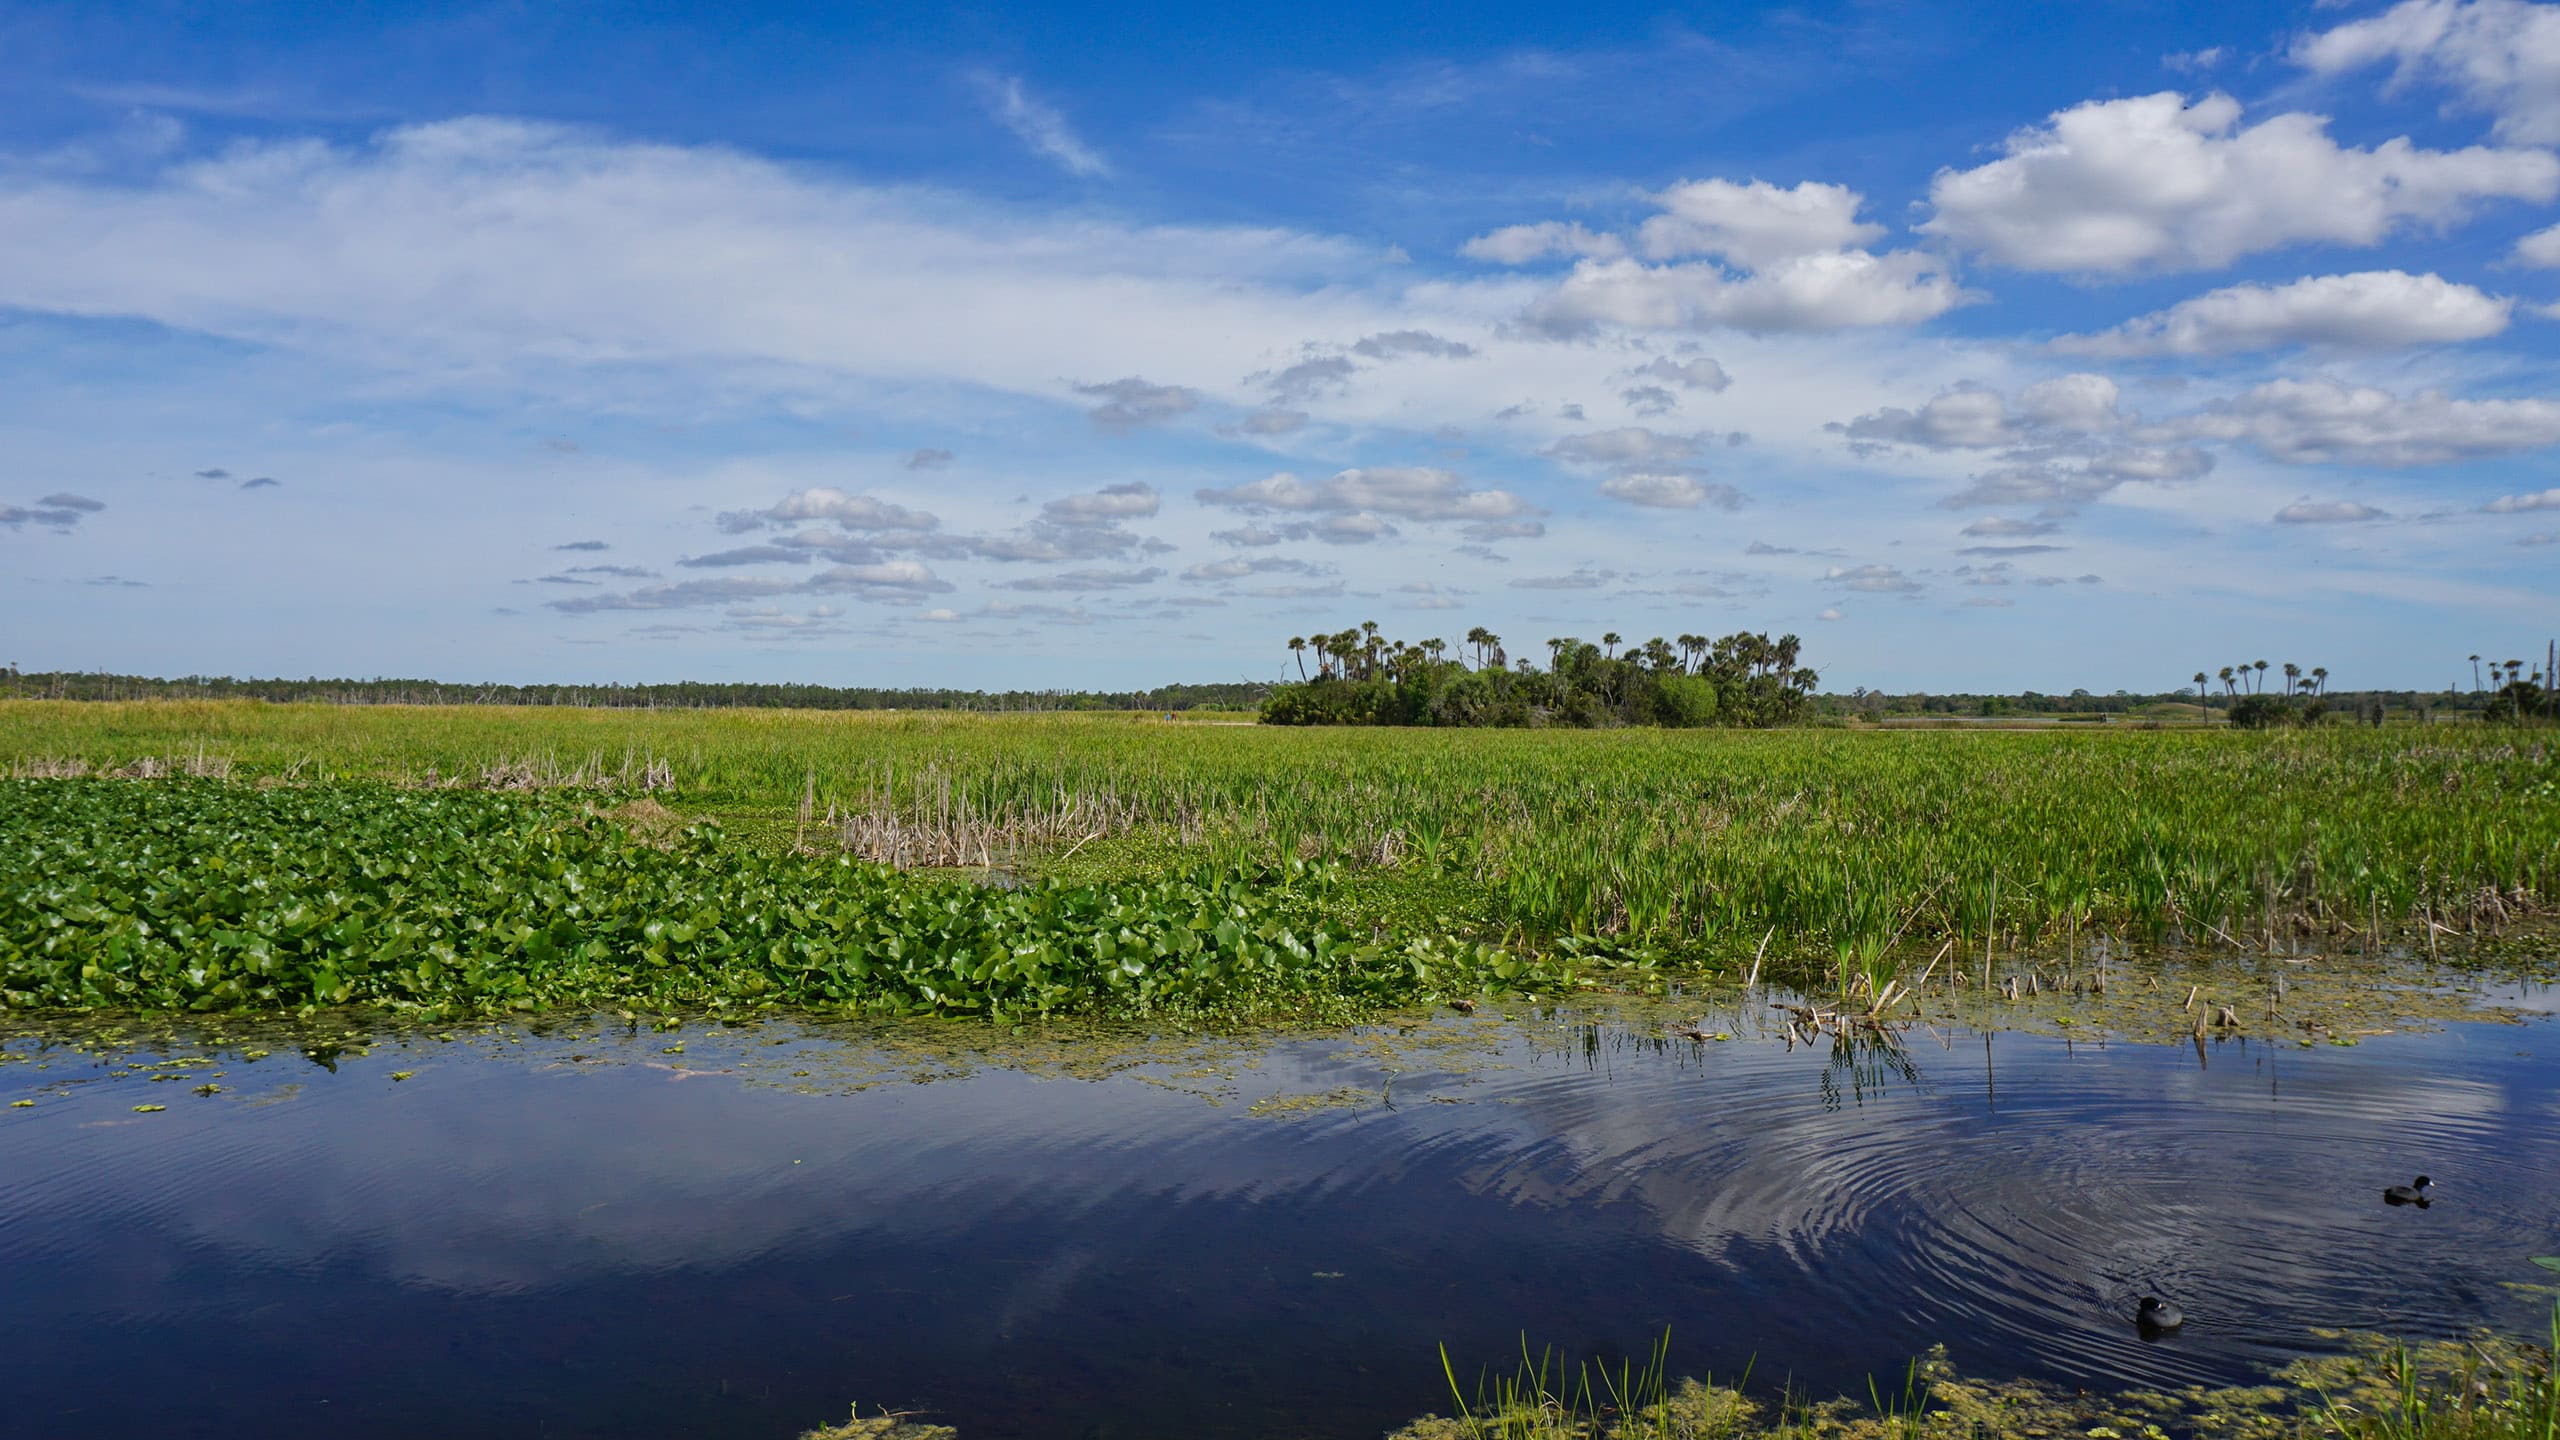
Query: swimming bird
{"points": [[2415, 1194], [2155, 1315]]}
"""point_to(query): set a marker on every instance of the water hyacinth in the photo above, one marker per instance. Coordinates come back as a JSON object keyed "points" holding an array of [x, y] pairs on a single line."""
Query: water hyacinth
{"points": [[191, 895]]}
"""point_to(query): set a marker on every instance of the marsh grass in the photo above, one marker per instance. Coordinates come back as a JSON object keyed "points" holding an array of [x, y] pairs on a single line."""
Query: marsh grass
{"points": [[1862, 854]]}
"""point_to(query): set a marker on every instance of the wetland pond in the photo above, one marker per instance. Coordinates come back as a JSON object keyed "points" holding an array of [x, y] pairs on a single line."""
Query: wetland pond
{"points": [[604, 1229]]}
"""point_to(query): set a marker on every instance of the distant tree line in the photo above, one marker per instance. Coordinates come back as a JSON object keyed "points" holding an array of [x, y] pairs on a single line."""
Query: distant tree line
{"points": [[1364, 678], [704, 695]]}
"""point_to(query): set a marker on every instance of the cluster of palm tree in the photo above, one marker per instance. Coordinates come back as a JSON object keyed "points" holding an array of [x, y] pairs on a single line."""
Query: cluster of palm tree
{"points": [[2250, 678], [1361, 676], [2514, 669]]}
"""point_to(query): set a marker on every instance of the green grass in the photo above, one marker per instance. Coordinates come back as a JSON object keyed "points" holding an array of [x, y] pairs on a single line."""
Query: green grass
{"points": [[1688, 844]]}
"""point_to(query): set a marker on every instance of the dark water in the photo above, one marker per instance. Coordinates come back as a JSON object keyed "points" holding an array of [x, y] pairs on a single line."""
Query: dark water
{"points": [[515, 1244]]}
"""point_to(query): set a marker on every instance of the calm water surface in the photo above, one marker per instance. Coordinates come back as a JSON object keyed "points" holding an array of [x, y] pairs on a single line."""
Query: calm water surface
{"points": [[514, 1242]]}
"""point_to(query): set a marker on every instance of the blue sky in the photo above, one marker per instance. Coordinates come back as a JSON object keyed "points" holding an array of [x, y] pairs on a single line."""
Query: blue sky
{"points": [[1113, 346]]}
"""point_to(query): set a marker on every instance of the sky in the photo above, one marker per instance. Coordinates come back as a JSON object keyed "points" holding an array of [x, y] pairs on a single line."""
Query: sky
{"points": [[1097, 347]]}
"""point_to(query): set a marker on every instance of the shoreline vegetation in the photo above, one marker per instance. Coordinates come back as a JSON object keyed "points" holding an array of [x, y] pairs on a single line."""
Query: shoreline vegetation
{"points": [[2485, 1387], [261, 856]]}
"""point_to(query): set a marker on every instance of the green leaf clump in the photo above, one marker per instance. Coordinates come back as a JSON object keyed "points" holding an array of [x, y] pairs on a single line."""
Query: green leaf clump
{"points": [[210, 896]]}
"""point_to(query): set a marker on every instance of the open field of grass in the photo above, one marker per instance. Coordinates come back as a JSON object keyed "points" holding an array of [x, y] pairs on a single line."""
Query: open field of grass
{"points": [[1825, 850]]}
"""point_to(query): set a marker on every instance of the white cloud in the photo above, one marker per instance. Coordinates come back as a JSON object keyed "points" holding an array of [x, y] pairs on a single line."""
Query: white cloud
{"points": [[1131, 403], [2328, 512], [1754, 226], [2325, 421], [2373, 309], [1041, 127], [1973, 417], [1831, 291], [2153, 183], [1110, 505], [2501, 56], [1671, 491], [481, 251], [1699, 374], [1871, 579], [1527, 244], [1412, 492], [2520, 504], [833, 506], [2542, 247], [1632, 445]]}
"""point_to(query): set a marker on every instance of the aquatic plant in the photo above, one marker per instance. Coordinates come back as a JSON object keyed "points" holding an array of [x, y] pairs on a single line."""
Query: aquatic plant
{"points": [[192, 895]]}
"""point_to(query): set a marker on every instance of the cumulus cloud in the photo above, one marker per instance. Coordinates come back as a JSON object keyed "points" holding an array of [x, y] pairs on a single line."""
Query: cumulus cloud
{"points": [[2542, 247], [2325, 421], [877, 579], [832, 506], [1754, 225], [2328, 512], [1527, 244], [583, 545], [1110, 505], [1669, 491], [2154, 183], [2374, 309], [929, 459], [1407, 344], [1131, 403], [1630, 445], [59, 511], [1975, 417], [2521, 504], [1409, 492], [1747, 256], [1040, 126], [216, 473], [2500, 56], [262, 482], [1699, 374], [1842, 290], [1308, 379], [2066, 442], [1871, 580], [1649, 400]]}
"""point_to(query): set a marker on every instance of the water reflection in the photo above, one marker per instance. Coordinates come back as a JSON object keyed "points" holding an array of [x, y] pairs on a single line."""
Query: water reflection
{"points": [[584, 1234]]}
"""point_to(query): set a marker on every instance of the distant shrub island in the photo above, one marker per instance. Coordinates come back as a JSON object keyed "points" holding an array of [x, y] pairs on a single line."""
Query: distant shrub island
{"points": [[1363, 678]]}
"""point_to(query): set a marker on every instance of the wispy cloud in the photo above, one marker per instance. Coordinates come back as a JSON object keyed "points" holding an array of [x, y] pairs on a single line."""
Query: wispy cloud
{"points": [[1040, 126]]}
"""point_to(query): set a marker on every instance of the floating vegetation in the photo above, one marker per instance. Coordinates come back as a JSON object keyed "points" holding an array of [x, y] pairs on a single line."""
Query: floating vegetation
{"points": [[191, 895]]}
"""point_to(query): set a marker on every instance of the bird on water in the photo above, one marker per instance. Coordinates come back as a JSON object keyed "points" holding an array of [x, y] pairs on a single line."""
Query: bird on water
{"points": [[2156, 1316], [2412, 1194]]}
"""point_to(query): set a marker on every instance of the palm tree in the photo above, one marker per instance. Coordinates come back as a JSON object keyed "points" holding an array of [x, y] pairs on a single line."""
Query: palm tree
{"points": [[2228, 689], [2200, 703], [1610, 639], [2320, 679], [1555, 650], [1298, 647], [1480, 638], [2475, 674], [2292, 676], [2261, 668]]}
